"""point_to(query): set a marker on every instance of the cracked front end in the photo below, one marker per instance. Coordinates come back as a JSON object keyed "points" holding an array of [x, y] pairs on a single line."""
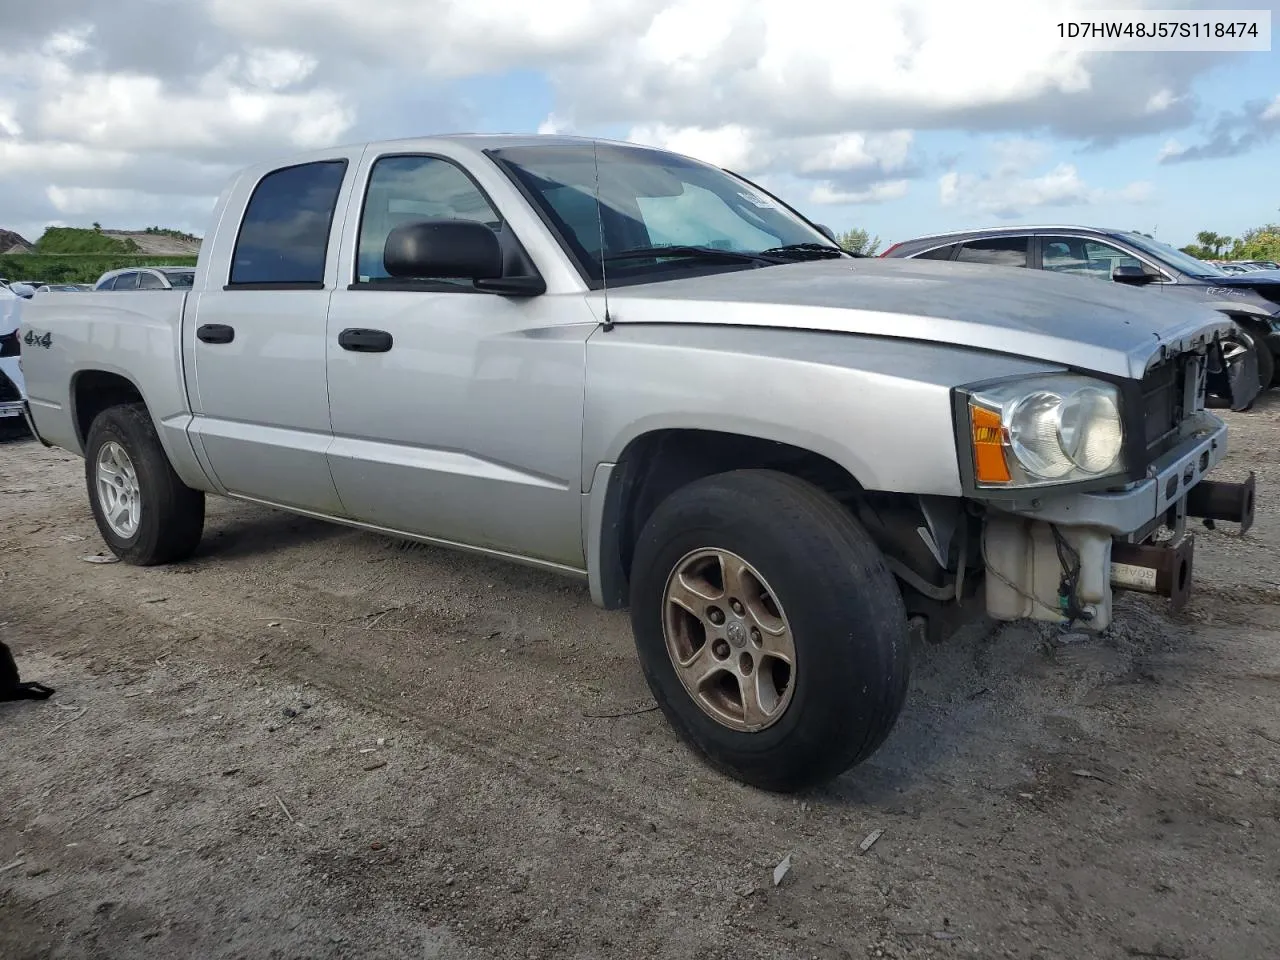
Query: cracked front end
{"points": [[1086, 485]]}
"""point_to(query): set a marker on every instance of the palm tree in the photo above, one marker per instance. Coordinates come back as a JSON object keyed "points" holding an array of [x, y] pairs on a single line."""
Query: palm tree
{"points": [[1213, 241]]}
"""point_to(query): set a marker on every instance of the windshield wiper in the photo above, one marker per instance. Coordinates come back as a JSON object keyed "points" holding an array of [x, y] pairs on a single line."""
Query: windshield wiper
{"points": [[809, 251], [690, 253]]}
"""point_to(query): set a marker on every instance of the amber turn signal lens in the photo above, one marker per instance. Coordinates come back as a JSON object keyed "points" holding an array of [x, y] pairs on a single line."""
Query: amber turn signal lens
{"points": [[989, 463]]}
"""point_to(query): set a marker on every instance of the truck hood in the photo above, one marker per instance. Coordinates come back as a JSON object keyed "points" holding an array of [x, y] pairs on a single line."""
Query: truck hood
{"points": [[1076, 321]]}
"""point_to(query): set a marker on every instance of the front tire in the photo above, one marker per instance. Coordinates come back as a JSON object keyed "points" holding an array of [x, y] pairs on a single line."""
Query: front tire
{"points": [[146, 515], [1247, 339], [769, 629]]}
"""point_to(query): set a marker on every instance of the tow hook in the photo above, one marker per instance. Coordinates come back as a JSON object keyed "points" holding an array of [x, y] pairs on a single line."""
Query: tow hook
{"points": [[1212, 500], [1160, 568]]}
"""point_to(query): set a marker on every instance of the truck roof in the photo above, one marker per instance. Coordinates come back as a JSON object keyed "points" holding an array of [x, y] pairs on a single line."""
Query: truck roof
{"points": [[475, 142]]}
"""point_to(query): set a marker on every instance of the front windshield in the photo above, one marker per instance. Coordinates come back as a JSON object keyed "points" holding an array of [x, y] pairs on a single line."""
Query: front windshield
{"points": [[1182, 262], [650, 198]]}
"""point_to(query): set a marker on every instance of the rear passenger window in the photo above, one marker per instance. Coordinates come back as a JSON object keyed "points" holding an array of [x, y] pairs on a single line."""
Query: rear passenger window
{"points": [[1001, 251], [941, 253], [126, 281], [284, 236], [149, 281]]}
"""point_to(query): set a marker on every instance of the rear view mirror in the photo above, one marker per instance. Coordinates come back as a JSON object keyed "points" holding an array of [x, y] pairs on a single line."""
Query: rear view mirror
{"points": [[1127, 273], [455, 249]]}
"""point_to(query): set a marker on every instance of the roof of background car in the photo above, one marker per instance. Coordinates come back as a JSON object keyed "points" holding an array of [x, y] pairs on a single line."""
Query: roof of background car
{"points": [[1019, 228]]}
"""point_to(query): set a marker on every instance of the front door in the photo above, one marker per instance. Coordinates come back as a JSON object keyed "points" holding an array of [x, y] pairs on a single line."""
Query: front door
{"points": [[459, 417], [1089, 257], [257, 343]]}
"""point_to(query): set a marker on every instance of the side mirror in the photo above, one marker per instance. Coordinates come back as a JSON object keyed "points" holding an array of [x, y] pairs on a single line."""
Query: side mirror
{"points": [[826, 231], [462, 249], [1128, 273]]}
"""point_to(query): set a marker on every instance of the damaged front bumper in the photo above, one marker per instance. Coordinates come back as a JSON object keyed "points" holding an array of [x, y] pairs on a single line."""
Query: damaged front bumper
{"points": [[12, 389], [13, 395], [1061, 559]]}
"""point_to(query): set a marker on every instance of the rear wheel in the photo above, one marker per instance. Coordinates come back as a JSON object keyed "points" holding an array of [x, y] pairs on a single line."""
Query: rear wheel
{"points": [[770, 631], [145, 514]]}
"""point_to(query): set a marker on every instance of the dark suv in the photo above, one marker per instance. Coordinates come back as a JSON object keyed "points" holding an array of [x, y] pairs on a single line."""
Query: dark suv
{"points": [[1251, 299]]}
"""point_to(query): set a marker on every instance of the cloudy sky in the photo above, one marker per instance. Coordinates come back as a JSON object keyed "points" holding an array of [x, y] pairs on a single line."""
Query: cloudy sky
{"points": [[900, 116]]}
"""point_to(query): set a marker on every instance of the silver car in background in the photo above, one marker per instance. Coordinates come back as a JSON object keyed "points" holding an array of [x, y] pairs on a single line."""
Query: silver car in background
{"points": [[147, 278]]}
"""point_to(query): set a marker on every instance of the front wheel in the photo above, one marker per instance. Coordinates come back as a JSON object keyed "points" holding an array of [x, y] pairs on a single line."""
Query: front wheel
{"points": [[1242, 341], [769, 629], [145, 514]]}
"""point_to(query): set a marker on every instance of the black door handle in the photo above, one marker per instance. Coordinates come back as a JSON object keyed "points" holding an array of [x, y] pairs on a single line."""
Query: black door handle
{"points": [[215, 333], [364, 341]]}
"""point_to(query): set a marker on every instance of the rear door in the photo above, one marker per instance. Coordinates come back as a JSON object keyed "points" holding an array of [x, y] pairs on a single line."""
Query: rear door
{"points": [[256, 340], [1002, 251]]}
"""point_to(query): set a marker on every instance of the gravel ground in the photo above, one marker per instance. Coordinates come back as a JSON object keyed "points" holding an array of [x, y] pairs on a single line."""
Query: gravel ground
{"points": [[310, 742]]}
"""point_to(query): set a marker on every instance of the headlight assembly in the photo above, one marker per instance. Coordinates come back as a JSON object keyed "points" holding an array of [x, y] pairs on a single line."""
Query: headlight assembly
{"points": [[1046, 430]]}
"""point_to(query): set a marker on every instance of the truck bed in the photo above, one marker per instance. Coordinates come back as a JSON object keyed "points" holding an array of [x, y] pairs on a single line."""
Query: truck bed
{"points": [[133, 334]]}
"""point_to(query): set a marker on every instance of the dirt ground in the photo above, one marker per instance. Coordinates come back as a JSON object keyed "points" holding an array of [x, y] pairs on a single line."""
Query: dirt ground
{"points": [[311, 742]]}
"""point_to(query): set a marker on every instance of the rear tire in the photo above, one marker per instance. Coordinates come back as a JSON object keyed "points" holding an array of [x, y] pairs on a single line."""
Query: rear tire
{"points": [[810, 572], [146, 515]]}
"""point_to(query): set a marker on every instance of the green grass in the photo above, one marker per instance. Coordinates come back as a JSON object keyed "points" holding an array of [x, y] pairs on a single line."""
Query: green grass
{"points": [[77, 268], [75, 240]]}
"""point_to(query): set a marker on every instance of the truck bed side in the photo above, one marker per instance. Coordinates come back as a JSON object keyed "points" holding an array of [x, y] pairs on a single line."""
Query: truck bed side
{"points": [[92, 349]]}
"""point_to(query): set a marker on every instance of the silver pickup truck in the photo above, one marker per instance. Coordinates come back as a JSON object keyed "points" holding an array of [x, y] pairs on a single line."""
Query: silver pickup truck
{"points": [[632, 367]]}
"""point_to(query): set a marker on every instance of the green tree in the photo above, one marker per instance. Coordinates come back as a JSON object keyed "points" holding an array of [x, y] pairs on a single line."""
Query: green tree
{"points": [[1214, 242], [858, 241], [1260, 243]]}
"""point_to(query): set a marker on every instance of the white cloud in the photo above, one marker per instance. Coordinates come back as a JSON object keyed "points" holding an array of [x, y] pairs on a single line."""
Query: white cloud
{"points": [[277, 68], [859, 151], [1011, 187], [9, 125], [64, 44], [139, 113], [731, 146], [446, 38], [1273, 110], [853, 166], [829, 97], [825, 193], [823, 67], [124, 208], [554, 123], [1170, 148], [1160, 101], [96, 140], [1017, 154]]}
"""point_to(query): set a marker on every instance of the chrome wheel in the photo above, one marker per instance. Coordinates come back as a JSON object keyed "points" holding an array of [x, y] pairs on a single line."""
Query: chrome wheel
{"points": [[729, 639], [118, 493]]}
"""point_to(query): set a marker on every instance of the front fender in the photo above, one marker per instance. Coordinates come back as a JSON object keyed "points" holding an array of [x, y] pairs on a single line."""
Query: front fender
{"points": [[879, 407]]}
